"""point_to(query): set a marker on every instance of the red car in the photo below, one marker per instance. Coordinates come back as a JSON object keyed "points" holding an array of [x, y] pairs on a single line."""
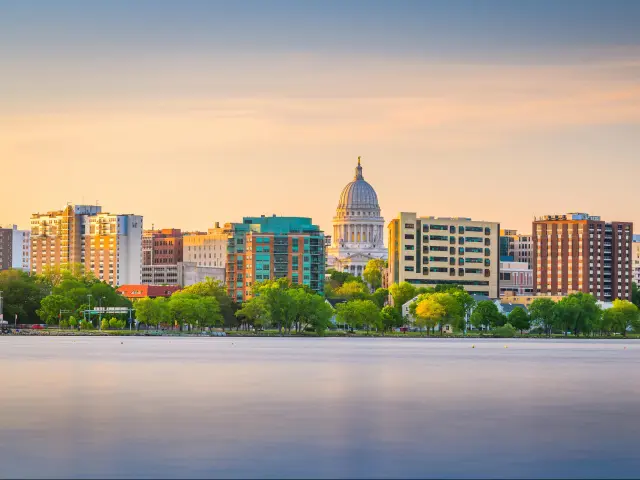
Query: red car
{"points": [[36, 327]]}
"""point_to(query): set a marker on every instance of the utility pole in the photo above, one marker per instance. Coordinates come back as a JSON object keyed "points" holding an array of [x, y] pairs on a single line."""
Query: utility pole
{"points": [[1, 306], [89, 296]]}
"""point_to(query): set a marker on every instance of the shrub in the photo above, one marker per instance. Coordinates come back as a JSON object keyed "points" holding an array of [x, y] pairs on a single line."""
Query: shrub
{"points": [[64, 323], [506, 331], [104, 325], [86, 325], [73, 322]]}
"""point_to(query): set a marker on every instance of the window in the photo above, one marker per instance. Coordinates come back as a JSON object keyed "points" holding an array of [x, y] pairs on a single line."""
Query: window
{"points": [[452, 250], [487, 272], [438, 248], [487, 262], [409, 247], [452, 240], [425, 270], [473, 270], [409, 258], [409, 225], [437, 259], [487, 242], [487, 252], [439, 227], [442, 238], [425, 228], [460, 229], [461, 240], [474, 229], [408, 269], [452, 272], [487, 231], [425, 259], [461, 272], [409, 236], [473, 239], [452, 229], [460, 250]]}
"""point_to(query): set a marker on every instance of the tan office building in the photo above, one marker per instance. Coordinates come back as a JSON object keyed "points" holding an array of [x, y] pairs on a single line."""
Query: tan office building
{"points": [[206, 249], [430, 251]]}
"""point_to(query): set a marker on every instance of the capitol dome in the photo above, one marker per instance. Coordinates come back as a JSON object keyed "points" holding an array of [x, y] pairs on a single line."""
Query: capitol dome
{"points": [[358, 193]]}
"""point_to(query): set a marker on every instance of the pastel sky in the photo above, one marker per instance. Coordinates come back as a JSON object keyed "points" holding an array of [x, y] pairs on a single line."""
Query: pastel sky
{"points": [[191, 112]]}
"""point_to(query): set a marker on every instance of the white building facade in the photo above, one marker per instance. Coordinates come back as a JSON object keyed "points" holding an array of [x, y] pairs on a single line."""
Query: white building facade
{"points": [[358, 228], [113, 248]]}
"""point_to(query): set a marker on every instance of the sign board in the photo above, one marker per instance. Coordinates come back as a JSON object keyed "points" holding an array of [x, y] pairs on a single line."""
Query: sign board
{"points": [[110, 310]]}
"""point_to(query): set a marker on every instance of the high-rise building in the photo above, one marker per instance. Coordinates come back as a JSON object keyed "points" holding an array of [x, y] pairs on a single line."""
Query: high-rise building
{"points": [[430, 251], [358, 227], [206, 249], [113, 246], [15, 248], [636, 259], [516, 247], [577, 252], [57, 237], [105, 244], [162, 247], [267, 248]]}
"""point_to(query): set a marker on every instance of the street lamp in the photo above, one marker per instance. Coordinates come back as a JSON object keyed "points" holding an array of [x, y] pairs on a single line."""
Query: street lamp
{"points": [[89, 297]]}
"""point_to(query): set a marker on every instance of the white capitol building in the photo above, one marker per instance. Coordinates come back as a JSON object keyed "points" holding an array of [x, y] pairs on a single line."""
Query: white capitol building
{"points": [[358, 228]]}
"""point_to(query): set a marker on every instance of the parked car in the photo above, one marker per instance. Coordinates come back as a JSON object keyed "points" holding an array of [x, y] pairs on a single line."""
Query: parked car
{"points": [[37, 327]]}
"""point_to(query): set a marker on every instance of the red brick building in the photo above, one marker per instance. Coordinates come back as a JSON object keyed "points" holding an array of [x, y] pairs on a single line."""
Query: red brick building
{"points": [[581, 253], [162, 247]]}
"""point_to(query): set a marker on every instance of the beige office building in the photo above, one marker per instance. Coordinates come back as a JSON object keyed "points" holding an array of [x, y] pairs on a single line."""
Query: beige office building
{"points": [[206, 249], [430, 251]]}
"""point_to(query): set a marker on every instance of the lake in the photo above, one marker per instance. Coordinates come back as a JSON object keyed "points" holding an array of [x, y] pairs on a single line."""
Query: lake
{"points": [[336, 407]]}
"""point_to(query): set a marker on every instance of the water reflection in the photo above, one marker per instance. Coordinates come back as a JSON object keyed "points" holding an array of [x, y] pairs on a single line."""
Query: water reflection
{"points": [[159, 407]]}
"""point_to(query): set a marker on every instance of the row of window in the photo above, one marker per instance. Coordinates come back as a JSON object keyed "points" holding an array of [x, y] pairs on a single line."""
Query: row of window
{"points": [[452, 271]]}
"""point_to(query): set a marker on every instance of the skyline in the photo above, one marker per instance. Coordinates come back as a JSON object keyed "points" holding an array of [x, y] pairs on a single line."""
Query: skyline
{"points": [[201, 112]]}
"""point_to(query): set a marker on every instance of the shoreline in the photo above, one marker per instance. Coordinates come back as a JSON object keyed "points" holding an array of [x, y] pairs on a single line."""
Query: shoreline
{"points": [[240, 334]]}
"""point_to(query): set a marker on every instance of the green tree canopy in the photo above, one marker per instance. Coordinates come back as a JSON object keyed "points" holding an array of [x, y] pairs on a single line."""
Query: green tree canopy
{"points": [[21, 295], [391, 318], [542, 314], [519, 319], [353, 290], [485, 314], [359, 314], [51, 306], [401, 293], [380, 297], [372, 273]]}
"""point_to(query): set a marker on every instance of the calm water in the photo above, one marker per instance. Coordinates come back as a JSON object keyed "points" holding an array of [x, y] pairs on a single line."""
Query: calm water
{"points": [[272, 407]]}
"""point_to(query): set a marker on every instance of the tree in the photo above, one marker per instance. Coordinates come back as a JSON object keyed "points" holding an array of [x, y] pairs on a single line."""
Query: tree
{"points": [[578, 312], [429, 312], [401, 293], [519, 319], [380, 297], [216, 289], [621, 317], [73, 322], [275, 299], [485, 314], [51, 306], [391, 318], [353, 290], [505, 331], [320, 314], [453, 308], [21, 295], [635, 294], [104, 324], [253, 313], [337, 279], [359, 314], [208, 312], [183, 309], [372, 273], [542, 314]]}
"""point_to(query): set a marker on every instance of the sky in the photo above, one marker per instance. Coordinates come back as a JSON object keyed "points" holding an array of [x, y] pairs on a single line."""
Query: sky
{"points": [[192, 112]]}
